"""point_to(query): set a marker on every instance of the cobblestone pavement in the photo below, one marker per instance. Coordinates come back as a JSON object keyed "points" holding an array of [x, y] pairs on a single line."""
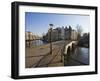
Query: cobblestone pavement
{"points": [[41, 57]]}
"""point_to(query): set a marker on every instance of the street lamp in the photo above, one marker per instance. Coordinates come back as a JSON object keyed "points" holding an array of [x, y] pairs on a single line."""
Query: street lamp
{"points": [[51, 26], [29, 39]]}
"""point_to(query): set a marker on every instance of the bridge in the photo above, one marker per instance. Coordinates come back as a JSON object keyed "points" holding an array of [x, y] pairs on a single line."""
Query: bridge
{"points": [[41, 57], [70, 46]]}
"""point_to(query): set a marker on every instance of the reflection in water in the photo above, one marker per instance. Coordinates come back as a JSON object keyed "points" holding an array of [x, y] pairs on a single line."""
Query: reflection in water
{"points": [[79, 56], [38, 42]]}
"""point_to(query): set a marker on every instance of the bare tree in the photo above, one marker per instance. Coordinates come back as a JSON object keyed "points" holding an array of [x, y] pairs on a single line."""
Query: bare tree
{"points": [[79, 30], [43, 36]]}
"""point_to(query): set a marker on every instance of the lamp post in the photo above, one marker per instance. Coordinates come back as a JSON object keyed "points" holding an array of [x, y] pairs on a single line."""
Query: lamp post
{"points": [[29, 39], [51, 26]]}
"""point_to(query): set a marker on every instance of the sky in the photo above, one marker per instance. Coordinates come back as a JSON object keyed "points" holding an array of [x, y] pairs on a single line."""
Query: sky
{"points": [[38, 23]]}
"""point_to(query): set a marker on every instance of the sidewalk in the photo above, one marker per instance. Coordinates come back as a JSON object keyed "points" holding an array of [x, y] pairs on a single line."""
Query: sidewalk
{"points": [[33, 55], [41, 57]]}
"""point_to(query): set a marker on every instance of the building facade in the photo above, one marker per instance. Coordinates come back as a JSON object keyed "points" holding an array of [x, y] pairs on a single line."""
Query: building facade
{"points": [[74, 35], [29, 37], [61, 33]]}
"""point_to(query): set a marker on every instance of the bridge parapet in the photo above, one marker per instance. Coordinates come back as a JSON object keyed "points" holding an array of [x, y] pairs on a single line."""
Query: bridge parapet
{"points": [[69, 46]]}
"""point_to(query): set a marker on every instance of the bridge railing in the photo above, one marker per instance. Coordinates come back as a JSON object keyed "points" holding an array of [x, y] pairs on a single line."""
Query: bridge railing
{"points": [[63, 54]]}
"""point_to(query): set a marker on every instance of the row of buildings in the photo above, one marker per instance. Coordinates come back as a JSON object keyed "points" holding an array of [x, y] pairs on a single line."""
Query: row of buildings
{"points": [[61, 33], [30, 36], [84, 40]]}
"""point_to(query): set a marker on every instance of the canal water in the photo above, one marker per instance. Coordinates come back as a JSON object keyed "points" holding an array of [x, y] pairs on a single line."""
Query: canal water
{"points": [[38, 42], [79, 56]]}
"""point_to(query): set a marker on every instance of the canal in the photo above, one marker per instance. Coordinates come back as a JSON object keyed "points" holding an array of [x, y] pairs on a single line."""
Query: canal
{"points": [[79, 56], [38, 42]]}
